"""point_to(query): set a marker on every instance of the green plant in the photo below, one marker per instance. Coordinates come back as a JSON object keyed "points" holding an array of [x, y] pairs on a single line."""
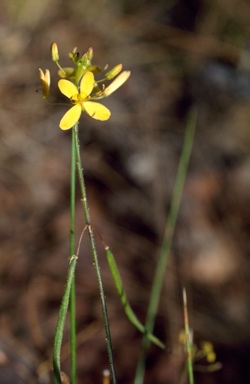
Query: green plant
{"points": [[80, 86]]}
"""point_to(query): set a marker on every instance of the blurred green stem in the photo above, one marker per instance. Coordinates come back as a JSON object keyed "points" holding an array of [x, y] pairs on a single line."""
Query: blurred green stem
{"points": [[167, 241], [188, 340]]}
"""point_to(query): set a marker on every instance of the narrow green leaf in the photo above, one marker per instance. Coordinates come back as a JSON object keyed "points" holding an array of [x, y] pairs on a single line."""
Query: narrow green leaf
{"points": [[167, 241], [61, 320], [127, 308]]}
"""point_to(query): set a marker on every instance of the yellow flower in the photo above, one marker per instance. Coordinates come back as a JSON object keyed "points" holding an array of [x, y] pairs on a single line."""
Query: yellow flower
{"points": [[208, 351], [45, 79], [81, 101]]}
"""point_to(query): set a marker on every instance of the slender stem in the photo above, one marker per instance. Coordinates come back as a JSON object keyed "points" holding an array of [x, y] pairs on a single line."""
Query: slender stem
{"points": [[167, 241], [72, 309], [188, 340], [94, 254]]}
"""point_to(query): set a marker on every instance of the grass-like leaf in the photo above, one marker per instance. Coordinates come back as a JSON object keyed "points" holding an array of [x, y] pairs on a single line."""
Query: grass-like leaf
{"points": [[127, 308]]}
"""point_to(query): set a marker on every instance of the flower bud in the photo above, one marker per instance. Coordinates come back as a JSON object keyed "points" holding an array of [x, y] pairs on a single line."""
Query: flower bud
{"points": [[113, 72], [117, 83], [106, 377], [45, 79], [66, 72], [90, 53], [74, 55], [94, 69], [54, 52]]}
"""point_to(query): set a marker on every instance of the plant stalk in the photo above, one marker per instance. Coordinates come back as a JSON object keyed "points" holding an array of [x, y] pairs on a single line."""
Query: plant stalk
{"points": [[72, 305], [94, 254]]}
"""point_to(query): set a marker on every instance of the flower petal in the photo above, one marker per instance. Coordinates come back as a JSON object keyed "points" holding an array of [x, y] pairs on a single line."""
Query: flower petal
{"points": [[96, 110], [87, 83], [67, 88], [71, 117], [117, 83]]}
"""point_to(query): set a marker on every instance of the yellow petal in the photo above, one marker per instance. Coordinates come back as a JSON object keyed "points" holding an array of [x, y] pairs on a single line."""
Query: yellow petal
{"points": [[117, 83], [67, 88], [96, 110], [71, 117], [87, 83]]}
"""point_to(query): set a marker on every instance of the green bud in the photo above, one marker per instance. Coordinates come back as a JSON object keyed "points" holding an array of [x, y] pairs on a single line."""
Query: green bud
{"points": [[66, 73], [113, 72], [54, 52]]}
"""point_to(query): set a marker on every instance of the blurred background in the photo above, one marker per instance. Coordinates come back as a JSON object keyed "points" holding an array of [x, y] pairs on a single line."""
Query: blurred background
{"points": [[182, 53]]}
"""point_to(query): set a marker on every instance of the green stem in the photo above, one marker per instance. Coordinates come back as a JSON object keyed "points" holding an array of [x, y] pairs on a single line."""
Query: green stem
{"points": [[72, 309], [188, 340], [69, 293], [167, 241], [94, 254]]}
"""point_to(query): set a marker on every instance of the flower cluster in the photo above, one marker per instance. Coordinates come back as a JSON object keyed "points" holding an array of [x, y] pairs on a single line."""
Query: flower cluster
{"points": [[204, 351], [78, 83]]}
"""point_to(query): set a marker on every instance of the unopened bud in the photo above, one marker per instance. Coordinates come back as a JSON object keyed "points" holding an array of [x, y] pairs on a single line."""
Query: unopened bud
{"points": [[106, 377], [54, 52], [90, 53], [66, 73], [113, 72], [74, 55], [45, 79]]}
